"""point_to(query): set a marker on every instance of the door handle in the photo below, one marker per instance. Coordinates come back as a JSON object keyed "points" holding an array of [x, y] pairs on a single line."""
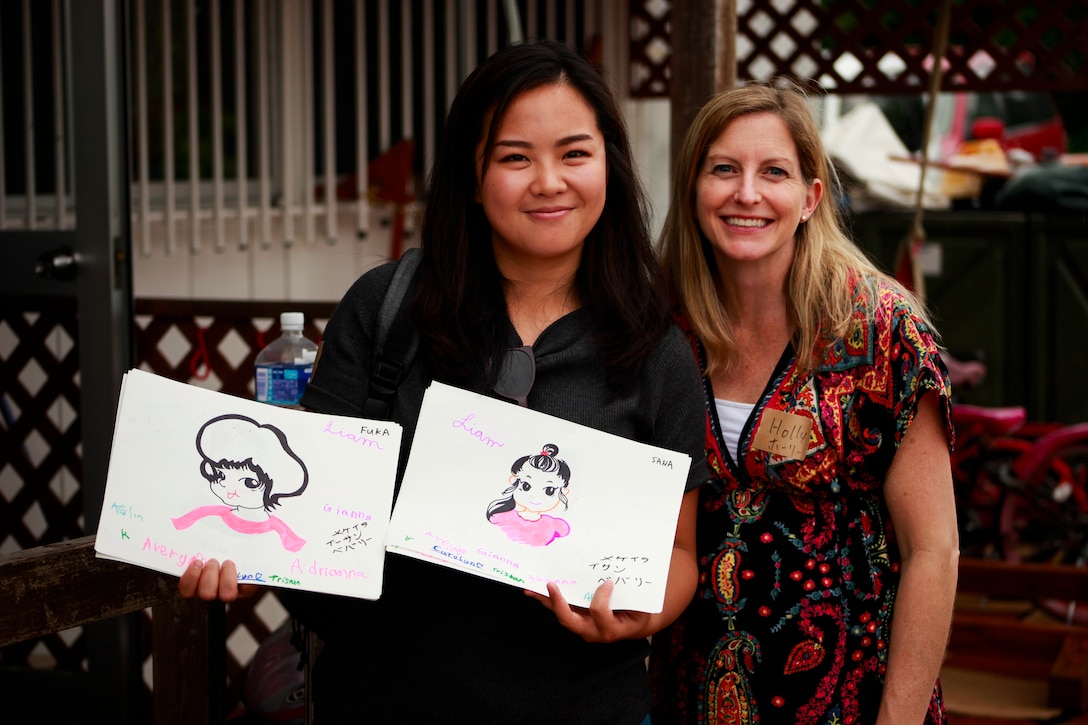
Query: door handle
{"points": [[60, 264]]}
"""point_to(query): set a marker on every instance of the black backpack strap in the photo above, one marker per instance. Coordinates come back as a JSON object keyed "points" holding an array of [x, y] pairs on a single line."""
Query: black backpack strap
{"points": [[396, 341]]}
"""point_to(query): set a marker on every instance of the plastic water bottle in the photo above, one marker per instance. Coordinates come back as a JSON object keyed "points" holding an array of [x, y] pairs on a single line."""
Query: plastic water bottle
{"points": [[283, 368]]}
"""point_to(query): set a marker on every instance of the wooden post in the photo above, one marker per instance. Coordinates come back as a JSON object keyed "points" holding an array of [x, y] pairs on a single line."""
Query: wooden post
{"points": [[703, 59], [189, 661]]}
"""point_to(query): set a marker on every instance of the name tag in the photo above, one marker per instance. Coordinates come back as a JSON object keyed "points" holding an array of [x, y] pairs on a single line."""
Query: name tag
{"points": [[783, 434]]}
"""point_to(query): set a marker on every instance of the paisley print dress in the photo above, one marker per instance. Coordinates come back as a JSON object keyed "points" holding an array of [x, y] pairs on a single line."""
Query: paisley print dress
{"points": [[798, 560]]}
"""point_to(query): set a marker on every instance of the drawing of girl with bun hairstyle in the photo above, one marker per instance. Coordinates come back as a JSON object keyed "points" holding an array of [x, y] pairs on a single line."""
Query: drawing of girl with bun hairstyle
{"points": [[538, 484], [243, 461]]}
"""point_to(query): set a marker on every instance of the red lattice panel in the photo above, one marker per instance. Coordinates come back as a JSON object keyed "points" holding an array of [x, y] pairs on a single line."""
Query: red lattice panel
{"points": [[40, 433], [214, 343], [41, 499], [866, 46]]}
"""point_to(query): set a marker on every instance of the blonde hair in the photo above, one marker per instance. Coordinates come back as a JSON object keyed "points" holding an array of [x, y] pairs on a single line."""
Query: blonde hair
{"points": [[826, 267]]}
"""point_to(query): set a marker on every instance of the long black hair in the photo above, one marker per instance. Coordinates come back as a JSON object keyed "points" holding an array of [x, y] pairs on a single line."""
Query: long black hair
{"points": [[459, 310]]}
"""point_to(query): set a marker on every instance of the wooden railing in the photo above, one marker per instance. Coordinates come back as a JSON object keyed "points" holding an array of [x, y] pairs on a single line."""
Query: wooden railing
{"points": [[56, 587]]}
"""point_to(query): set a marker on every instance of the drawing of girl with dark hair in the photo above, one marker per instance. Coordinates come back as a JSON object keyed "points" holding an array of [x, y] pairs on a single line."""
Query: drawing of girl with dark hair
{"points": [[243, 461], [538, 484]]}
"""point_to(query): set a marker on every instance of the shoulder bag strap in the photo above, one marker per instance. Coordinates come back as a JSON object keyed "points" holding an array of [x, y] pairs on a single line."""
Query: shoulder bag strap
{"points": [[396, 340]]}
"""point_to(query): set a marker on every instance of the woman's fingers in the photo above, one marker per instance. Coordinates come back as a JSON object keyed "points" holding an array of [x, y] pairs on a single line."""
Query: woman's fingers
{"points": [[600, 607], [190, 578], [208, 586], [226, 588], [212, 581]]}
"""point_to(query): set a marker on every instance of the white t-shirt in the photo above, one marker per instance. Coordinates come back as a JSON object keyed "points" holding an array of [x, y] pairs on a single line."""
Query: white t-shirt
{"points": [[732, 417]]}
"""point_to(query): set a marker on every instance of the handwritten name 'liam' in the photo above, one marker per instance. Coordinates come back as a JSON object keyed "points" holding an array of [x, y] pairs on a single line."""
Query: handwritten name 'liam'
{"points": [[360, 438], [468, 425]]}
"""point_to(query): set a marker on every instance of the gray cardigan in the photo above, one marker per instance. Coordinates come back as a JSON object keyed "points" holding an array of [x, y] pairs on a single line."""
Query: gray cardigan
{"points": [[441, 646]]}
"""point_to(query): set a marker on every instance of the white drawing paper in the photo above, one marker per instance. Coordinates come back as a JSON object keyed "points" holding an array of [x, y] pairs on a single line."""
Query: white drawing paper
{"points": [[296, 499], [523, 498]]}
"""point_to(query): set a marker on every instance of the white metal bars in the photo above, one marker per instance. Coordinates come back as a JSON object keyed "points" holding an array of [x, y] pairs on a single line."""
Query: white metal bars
{"points": [[35, 119], [243, 125]]}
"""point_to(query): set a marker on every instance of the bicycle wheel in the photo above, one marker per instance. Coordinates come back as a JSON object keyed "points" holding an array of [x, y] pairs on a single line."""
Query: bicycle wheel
{"points": [[980, 497], [988, 440], [1044, 514]]}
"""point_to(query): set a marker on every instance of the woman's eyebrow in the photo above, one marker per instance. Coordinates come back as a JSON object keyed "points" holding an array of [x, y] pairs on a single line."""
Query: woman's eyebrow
{"points": [[783, 161], [565, 141], [574, 138]]}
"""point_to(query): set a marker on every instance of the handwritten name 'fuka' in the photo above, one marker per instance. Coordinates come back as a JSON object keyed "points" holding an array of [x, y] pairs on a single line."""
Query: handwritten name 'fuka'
{"points": [[372, 430]]}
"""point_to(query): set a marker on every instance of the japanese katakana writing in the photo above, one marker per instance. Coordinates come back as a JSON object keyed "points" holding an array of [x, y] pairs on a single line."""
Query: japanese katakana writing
{"points": [[349, 538], [621, 570]]}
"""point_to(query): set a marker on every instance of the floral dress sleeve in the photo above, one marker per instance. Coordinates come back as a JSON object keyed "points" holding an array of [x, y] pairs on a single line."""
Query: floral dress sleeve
{"points": [[907, 366], [917, 367]]}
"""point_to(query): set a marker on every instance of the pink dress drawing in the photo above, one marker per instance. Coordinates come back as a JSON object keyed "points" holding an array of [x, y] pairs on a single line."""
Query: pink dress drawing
{"points": [[541, 532]]}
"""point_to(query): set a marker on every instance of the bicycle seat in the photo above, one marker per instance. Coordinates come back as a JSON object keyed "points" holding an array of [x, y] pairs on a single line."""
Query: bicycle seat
{"points": [[992, 420]]}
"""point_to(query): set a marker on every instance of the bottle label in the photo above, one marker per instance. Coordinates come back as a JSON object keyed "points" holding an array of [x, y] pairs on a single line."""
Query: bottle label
{"points": [[282, 384]]}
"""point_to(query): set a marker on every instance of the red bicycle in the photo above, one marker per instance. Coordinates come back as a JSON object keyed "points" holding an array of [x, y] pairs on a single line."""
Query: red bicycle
{"points": [[1044, 516], [1022, 491], [986, 444]]}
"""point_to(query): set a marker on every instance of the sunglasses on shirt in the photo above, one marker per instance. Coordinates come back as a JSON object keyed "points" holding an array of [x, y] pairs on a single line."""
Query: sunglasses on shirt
{"points": [[517, 374]]}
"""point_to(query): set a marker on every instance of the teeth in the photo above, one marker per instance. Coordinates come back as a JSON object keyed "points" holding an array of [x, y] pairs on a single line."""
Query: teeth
{"points": [[736, 222]]}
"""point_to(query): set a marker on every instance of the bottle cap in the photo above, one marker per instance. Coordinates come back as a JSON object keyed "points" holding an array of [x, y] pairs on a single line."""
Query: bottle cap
{"points": [[291, 320]]}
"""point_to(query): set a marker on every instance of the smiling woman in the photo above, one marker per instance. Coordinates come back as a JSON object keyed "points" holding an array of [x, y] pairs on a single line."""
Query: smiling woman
{"points": [[538, 286], [751, 195], [828, 435], [543, 185]]}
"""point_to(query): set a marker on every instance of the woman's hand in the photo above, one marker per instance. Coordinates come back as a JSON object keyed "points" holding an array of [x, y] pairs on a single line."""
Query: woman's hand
{"points": [[598, 623], [212, 582]]}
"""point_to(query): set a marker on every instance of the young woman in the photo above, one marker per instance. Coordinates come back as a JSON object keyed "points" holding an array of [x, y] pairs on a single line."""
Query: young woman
{"points": [[828, 541], [534, 235]]}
